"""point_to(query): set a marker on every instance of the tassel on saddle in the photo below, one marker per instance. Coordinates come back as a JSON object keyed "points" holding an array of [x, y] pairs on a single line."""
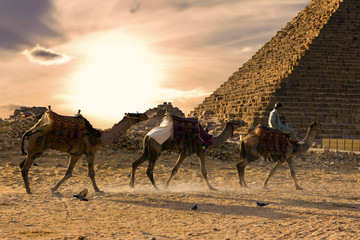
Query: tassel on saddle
{"points": [[189, 135]]}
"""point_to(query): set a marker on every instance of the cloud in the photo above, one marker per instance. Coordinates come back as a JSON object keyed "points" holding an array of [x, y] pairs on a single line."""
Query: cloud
{"points": [[44, 56], [10, 40], [22, 22], [246, 49], [135, 6], [168, 94]]}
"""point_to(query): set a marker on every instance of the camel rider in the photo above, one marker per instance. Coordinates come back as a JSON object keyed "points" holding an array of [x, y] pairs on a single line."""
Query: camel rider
{"points": [[275, 123], [78, 114]]}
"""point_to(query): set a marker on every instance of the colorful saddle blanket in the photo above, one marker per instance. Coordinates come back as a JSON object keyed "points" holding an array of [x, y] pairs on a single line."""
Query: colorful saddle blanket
{"points": [[188, 130], [71, 129], [271, 142]]}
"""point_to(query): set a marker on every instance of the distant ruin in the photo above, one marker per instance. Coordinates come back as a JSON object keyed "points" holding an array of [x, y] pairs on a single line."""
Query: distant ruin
{"points": [[159, 111], [312, 66], [28, 111]]}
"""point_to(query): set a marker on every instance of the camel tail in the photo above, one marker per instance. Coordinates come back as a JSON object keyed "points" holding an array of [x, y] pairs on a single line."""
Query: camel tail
{"points": [[27, 133], [146, 146], [242, 150]]}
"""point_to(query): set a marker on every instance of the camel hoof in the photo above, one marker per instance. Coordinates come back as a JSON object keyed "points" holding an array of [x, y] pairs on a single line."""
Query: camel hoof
{"points": [[299, 188], [27, 190], [99, 191], [131, 185], [213, 189], [243, 185]]}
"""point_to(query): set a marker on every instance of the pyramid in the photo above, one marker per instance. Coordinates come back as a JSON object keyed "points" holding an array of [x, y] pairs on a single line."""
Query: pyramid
{"points": [[312, 66]]}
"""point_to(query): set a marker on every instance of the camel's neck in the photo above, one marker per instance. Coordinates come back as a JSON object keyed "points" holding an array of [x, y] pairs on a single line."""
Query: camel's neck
{"points": [[308, 141], [115, 132], [225, 135]]}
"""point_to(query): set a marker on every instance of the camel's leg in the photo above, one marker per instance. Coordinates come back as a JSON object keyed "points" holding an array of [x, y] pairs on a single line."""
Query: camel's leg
{"points": [[273, 170], [201, 156], [25, 166], [176, 168], [150, 170], [90, 159], [241, 171], [135, 165], [21, 165], [293, 175], [73, 160], [35, 149]]}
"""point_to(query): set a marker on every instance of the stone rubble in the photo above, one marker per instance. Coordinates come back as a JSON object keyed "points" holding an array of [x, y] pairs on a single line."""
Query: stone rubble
{"points": [[12, 129]]}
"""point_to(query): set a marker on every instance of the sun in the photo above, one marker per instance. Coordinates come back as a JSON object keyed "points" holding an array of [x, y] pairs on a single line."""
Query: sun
{"points": [[117, 74]]}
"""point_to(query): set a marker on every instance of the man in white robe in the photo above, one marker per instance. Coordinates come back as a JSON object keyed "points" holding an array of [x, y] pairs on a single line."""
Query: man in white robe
{"points": [[275, 123]]}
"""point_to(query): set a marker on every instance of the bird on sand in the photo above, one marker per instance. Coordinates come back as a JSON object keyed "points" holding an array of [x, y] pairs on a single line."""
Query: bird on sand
{"points": [[82, 195], [194, 208], [260, 204]]}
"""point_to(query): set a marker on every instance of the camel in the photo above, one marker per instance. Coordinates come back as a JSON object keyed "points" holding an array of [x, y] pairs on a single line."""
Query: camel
{"points": [[41, 136], [152, 150], [249, 152]]}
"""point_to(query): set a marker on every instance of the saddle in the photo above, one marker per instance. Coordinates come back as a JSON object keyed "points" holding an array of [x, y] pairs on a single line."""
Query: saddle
{"points": [[272, 143], [71, 129], [188, 132]]}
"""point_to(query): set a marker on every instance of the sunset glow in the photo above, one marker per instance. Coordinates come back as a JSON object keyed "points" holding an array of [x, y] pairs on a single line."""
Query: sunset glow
{"points": [[118, 74]]}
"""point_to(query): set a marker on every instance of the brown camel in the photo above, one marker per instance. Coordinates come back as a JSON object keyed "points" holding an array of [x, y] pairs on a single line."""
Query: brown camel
{"points": [[152, 151], [42, 136], [249, 152]]}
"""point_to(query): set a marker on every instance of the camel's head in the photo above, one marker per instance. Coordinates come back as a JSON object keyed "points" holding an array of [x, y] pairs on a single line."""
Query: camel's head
{"points": [[136, 117], [315, 126], [237, 123]]}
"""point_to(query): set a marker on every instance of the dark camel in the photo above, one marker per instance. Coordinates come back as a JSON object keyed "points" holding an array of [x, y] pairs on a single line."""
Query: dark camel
{"points": [[152, 151], [249, 153], [41, 137]]}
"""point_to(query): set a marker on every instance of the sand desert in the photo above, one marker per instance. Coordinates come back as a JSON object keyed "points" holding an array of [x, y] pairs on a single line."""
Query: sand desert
{"points": [[327, 208]]}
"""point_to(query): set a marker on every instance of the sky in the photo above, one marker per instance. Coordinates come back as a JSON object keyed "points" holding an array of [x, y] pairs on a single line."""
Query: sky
{"points": [[111, 57]]}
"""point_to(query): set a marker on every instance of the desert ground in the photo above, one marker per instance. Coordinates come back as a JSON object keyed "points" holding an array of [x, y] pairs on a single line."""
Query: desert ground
{"points": [[327, 208]]}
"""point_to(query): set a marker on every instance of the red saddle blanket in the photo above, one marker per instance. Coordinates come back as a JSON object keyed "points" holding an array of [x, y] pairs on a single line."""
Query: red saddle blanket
{"points": [[71, 129], [188, 129], [271, 141]]}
